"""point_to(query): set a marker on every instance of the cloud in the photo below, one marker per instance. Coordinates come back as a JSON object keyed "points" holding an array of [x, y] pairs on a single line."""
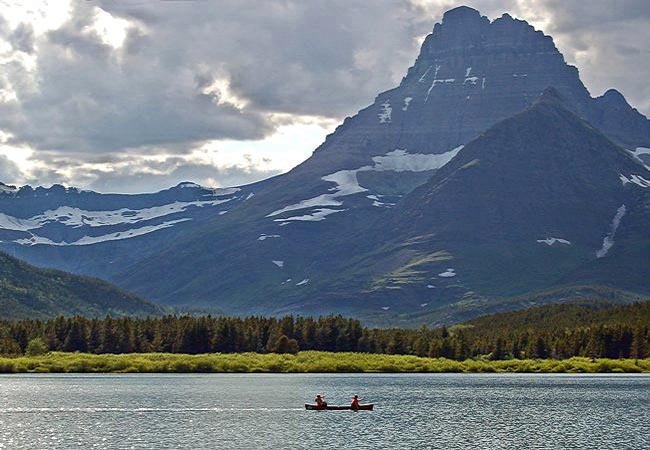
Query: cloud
{"points": [[125, 180], [159, 81], [91, 97], [121, 75], [607, 42], [8, 168], [134, 173]]}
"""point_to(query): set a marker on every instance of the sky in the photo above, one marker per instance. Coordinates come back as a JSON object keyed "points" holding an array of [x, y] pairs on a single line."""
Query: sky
{"points": [[137, 96]]}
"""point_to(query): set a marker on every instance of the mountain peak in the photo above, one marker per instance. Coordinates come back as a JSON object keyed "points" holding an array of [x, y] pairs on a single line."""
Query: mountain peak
{"points": [[614, 97], [551, 96], [465, 33], [7, 188], [460, 13]]}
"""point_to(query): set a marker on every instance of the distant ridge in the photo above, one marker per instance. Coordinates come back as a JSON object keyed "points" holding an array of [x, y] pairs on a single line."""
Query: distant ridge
{"points": [[29, 292]]}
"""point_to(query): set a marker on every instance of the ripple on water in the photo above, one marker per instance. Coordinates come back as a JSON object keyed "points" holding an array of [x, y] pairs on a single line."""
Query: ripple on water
{"points": [[265, 411]]}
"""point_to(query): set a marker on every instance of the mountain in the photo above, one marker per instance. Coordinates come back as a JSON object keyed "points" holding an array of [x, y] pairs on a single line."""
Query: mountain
{"points": [[29, 292], [539, 201], [351, 229], [100, 234], [541, 207], [306, 243]]}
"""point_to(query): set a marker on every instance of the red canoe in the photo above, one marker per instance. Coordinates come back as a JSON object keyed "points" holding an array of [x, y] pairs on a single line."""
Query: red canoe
{"points": [[366, 407]]}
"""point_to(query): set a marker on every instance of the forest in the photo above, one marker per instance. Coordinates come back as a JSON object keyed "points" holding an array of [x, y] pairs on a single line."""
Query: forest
{"points": [[583, 329]]}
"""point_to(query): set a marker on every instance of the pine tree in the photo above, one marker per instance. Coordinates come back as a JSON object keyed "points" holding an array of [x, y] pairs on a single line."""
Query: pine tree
{"points": [[76, 340]]}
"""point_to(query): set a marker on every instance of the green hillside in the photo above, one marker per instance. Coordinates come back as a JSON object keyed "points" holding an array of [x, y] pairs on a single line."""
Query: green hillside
{"points": [[564, 316], [30, 292]]}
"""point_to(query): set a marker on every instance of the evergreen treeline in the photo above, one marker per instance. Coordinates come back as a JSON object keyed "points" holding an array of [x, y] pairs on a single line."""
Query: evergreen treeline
{"points": [[559, 331]]}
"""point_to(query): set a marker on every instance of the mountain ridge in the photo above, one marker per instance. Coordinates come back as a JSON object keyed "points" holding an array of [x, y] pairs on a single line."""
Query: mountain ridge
{"points": [[549, 105], [321, 237]]}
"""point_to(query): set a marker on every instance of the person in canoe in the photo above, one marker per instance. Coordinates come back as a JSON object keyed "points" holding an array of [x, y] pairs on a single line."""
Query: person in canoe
{"points": [[320, 401], [355, 402]]}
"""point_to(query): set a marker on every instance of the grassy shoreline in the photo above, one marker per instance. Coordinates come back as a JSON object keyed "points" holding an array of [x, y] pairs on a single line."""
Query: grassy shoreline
{"points": [[304, 362]]}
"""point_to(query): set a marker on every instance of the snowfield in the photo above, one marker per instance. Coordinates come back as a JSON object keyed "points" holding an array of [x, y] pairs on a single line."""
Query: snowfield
{"points": [[346, 182], [73, 217]]}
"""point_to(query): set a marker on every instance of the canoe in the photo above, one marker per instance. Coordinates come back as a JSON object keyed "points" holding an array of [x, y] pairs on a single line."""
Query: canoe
{"points": [[366, 407]]}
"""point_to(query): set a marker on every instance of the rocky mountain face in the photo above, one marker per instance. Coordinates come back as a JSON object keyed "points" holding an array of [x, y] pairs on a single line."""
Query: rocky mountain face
{"points": [[470, 74], [350, 229], [541, 200]]}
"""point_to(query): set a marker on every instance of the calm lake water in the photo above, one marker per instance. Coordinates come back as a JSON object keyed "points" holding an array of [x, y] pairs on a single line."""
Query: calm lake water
{"points": [[266, 411]]}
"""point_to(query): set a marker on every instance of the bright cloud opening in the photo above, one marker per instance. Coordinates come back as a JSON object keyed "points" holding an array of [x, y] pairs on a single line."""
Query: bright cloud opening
{"points": [[111, 30]]}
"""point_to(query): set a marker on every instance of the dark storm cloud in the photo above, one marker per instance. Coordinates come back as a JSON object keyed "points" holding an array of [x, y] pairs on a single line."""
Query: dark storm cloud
{"points": [[298, 57], [312, 58], [159, 93], [305, 57], [608, 41], [90, 97]]}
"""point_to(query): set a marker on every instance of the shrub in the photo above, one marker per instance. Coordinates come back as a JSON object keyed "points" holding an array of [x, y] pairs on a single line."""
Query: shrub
{"points": [[36, 347]]}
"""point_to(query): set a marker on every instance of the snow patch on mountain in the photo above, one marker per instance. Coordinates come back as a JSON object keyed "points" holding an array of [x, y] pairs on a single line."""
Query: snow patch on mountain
{"points": [[90, 240], [76, 217], [264, 237], [448, 273], [424, 76], [407, 102], [316, 216], [280, 264], [220, 192], [550, 241], [378, 203], [386, 113], [470, 79], [635, 179], [641, 151], [321, 200], [401, 161], [14, 223], [303, 282], [433, 84], [347, 183], [436, 81], [608, 241]]}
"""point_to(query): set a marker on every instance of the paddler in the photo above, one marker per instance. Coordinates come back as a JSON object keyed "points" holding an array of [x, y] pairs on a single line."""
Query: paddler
{"points": [[320, 400], [355, 402]]}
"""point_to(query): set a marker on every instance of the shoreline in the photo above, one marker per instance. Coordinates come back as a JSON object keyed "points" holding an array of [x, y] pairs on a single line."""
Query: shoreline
{"points": [[303, 362]]}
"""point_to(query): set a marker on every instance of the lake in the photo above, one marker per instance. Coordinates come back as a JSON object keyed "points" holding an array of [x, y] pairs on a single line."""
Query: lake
{"points": [[447, 411]]}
